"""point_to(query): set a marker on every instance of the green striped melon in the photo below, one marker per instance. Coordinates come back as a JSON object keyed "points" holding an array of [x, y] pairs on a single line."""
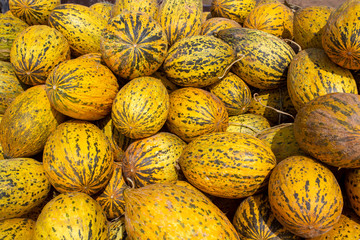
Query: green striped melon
{"points": [[312, 74], [236, 10], [80, 25], [149, 7], [10, 28], [227, 164], [153, 159], [17, 229], [140, 107], [198, 61], [248, 123], [266, 57], [212, 25], [327, 128], [194, 112], [254, 220], [36, 52], [305, 196], [33, 12], [77, 157], [24, 186], [170, 211], [133, 45], [72, 215], [180, 18]]}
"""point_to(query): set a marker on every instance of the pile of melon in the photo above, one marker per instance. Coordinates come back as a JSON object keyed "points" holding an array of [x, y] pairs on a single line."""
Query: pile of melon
{"points": [[146, 120]]}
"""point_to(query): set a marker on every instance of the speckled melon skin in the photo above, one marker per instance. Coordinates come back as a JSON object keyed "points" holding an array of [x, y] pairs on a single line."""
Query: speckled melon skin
{"points": [[117, 229], [236, 10], [103, 8], [80, 25], [212, 25], [149, 7], [36, 52], [227, 164], [248, 123], [17, 229], [175, 212], [352, 183], [305, 196], [71, 216], [24, 185], [77, 157]]}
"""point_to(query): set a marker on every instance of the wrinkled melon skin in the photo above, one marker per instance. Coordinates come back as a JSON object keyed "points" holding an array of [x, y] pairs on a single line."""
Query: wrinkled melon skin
{"points": [[17, 229], [24, 185], [175, 212], [71, 216]]}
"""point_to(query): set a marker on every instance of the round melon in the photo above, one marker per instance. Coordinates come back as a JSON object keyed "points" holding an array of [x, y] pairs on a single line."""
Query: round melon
{"points": [[212, 25], [133, 45], [194, 112], [248, 123], [77, 157], [149, 7], [236, 10], [17, 229], [274, 18], [305, 196], [72, 215], [227, 164], [327, 129], [140, 107], [312, 74], [36, 52]]}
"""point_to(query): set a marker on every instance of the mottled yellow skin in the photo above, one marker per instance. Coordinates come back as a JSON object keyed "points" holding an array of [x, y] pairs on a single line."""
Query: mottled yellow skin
{"points": [[180, 18], [103, 8], [27, 123], [24, 185], [227, 164], [80, 25], [77, 157], [1, 149], [309, 25], [305, 196], [311, 74], [10, 86], [33, 12], [153, 159], [236, 10], [141, 107], [117, 229], [274, 18], [212, 25], [170, 86], [36, 52], [169, 211], [247, 123], [82, 89], [352, 188], [71, 216], [17, 229], [150, 7], [11, 27]]}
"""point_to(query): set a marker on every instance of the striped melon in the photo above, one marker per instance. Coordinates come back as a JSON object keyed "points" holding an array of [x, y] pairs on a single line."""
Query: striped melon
{"points": [[227, 164], [27, 123], [233, 92], [140, 107], [352, 188], [74, 84], [180, 18], [212, 25], [77, 157], [248, 123], [36, 52], [305, 196], [153, 159], [10, 28], [133, 45], [33, 12], [236, 10], [266, 57], [194, 112], [24, 186], [117, 229], [174, 212], [309, 23], [198, 61], [80, 25], [10, 86], [71, 216], [103, 8], [150, 7], [274, 18], [112, 199], [312, 74], [254, 220], [17, 229], [327, 128]]}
